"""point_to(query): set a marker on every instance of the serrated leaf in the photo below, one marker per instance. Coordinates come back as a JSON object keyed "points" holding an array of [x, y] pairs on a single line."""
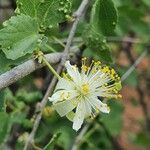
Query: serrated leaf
{"points": [[46, 12], [104, 16], [19, 36], [97, 44]]}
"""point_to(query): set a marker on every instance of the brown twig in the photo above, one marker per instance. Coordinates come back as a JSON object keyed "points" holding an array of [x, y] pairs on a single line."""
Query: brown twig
{"points": [[26, 68]]}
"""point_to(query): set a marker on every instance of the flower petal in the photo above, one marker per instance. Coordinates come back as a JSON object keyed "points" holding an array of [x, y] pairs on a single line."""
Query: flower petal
{"points": [[79, 116], [64, 84], [88, 109], [65, 107], [63, 95], [98, 105], [73, 72]]}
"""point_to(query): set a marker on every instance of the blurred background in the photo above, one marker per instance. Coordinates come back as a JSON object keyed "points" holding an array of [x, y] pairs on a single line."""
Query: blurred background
{"points": [[128, 125]]}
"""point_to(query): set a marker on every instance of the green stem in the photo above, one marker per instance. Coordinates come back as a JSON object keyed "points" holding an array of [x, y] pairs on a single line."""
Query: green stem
{"points": [[50, 48], [51, 68], [59, 41]]}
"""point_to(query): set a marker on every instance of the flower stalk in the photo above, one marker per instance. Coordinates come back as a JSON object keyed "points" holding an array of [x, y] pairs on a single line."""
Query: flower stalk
{"points": [[41, 59]]}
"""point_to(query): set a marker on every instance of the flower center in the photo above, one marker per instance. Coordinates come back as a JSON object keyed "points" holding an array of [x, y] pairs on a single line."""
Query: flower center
{"points": [[85, 88]]}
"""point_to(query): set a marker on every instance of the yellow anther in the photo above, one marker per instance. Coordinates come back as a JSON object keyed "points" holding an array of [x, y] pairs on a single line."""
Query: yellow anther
{"points": [[113, 71], [84, 68], [85, 88]]}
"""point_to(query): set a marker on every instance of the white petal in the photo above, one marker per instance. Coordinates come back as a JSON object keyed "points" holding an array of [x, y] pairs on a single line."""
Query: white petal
{"points": [[98, 105], [73, 72], [79, 116], [56, 96], [65, 107], [88, 108], [64, 84], [63, 95]]}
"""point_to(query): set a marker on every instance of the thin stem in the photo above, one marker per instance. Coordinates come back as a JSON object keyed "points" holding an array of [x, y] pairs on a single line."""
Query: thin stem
{"points": [[51, 68], [59, 41], [131, 69], [50, 48]]}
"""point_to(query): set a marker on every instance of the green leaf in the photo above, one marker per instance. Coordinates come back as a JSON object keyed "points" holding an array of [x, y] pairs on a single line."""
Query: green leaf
{"points": [[6, 123], [132, 79], [46, 12], [114, 125], [4, 127], [28, 97], [104, 16], [146, 2], [140, 138], [2, 95], [6, 64], [19, 36], [96, 43]]}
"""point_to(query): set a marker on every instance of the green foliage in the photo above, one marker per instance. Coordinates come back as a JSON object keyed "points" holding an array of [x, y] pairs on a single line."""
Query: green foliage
{"points": [[46, 12], [132, 80], [4, 127], [113, 121], [140, 138], [52, 142], [147, 2], [7, 123], [28, 97], [97, 45], [19, 36], [104, 17], [102, 22], [2, 100], [6, 64]]}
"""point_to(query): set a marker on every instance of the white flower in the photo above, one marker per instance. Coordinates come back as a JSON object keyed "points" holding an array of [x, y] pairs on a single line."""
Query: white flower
{"points": [[81, 91]]}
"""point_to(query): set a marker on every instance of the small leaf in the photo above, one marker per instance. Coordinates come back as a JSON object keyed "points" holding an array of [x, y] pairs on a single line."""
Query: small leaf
{"points": [[19, 36], [104, 16], [46, 12], [96, 43]]}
